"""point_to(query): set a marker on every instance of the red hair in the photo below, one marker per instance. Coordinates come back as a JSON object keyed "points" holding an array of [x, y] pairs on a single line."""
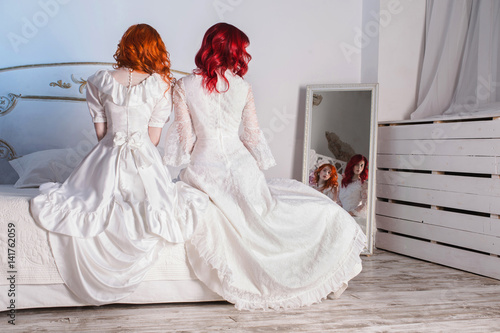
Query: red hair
{"points": [[141, 48], [347, 178], [223, 47], [332, 181]]}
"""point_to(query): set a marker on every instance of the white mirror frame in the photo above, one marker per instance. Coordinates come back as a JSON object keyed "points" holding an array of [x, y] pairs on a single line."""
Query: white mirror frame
{"points": [[373, 87]]}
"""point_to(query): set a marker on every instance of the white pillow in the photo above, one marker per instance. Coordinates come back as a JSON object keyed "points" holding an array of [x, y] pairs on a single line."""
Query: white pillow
{"points": [[54, 165]]}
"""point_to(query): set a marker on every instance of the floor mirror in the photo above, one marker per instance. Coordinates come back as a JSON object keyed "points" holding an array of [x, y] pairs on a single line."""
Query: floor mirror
{"points": [[340, 135]]}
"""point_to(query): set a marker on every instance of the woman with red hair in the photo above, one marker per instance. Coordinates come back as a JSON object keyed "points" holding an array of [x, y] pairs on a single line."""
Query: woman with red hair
{"points": [[276, 244], [108, 221], [353, 193], [325, 180]]}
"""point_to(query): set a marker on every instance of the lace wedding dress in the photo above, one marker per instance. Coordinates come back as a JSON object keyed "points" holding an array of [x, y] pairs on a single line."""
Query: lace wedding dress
{"points": [[269, 244], [354, 197], [111, 217]]}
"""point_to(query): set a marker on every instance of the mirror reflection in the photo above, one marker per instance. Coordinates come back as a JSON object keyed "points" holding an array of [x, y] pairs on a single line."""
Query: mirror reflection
{"points": [[339, 144]]}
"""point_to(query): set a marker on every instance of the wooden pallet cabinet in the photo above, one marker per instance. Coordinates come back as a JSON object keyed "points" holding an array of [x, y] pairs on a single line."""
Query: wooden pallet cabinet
{"points": [[438, 192]]}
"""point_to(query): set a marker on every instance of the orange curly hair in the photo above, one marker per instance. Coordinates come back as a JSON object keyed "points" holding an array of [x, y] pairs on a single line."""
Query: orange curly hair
{"points": [[141, 48], [332, 181]]}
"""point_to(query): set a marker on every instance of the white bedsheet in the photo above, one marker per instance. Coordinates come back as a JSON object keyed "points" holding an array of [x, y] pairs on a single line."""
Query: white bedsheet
{"points": [[37, 280]]}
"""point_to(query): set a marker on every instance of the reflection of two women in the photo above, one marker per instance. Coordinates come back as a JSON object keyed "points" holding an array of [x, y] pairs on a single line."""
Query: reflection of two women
{"points": [[352, 195]]}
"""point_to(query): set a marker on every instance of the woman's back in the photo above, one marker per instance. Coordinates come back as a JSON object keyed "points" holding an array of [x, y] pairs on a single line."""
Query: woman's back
{"points": [[213, 121], [273, 244], [216, 114], [128, 110], [276, 244]]}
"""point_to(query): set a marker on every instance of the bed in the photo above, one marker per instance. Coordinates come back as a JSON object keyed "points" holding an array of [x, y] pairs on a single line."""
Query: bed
{"points": [[45, 130]]}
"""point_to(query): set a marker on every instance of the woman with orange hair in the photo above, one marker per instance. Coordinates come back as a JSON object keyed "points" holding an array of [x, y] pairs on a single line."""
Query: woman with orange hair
{"points": [[269, 244], [108, 221], [325, 180]]}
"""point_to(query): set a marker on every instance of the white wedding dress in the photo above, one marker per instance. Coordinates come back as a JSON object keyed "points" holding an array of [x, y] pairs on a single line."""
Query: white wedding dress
{"points": [[354, 197], [110, 218], [269, 244]]}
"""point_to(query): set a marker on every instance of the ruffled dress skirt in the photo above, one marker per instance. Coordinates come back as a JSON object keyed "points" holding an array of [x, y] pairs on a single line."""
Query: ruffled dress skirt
{"points": [[112, 216], [274, 244]]}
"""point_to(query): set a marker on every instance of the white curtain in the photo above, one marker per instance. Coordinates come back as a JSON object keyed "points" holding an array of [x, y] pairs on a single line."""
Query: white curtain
{"points": [[460, 70]]}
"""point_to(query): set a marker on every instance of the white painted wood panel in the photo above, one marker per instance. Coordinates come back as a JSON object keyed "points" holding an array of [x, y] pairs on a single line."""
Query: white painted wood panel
{"points": [[445, 255], [447, 183], [439, 189], [452, 130], [455, 147], [464, 201], [467, 164], [471, 240], [451, 220]]}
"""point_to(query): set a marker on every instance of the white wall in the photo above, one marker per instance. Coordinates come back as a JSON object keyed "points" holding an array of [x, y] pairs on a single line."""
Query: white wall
{"points": [[293, 43], [400, 49], [368, 40]]}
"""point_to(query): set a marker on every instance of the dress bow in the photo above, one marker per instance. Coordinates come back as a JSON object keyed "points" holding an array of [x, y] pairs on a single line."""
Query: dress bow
{"points": [[119, 139], [134, 142]]}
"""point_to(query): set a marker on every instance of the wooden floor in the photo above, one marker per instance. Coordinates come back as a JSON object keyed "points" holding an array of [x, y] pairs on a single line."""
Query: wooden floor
{"points": [[393, 294]]}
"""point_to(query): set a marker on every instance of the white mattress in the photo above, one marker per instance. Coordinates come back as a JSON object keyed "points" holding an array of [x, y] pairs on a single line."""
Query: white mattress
{"points": [[37, 281]]}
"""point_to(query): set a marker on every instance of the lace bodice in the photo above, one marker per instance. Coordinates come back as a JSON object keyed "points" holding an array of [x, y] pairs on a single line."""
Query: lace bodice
{"points": [[131, 110], [354, 197], [214, 120]]}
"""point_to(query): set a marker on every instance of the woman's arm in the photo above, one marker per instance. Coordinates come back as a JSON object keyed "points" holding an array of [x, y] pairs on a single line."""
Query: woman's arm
{"points": [[100, 130], [361, 208], [154, 134], [335, 191], [180, 138]]}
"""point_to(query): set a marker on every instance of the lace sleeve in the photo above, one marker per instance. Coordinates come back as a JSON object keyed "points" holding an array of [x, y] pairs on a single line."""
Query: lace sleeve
{"points": [[361, 209], [94, 103], [180, 138], [253, 138]]}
